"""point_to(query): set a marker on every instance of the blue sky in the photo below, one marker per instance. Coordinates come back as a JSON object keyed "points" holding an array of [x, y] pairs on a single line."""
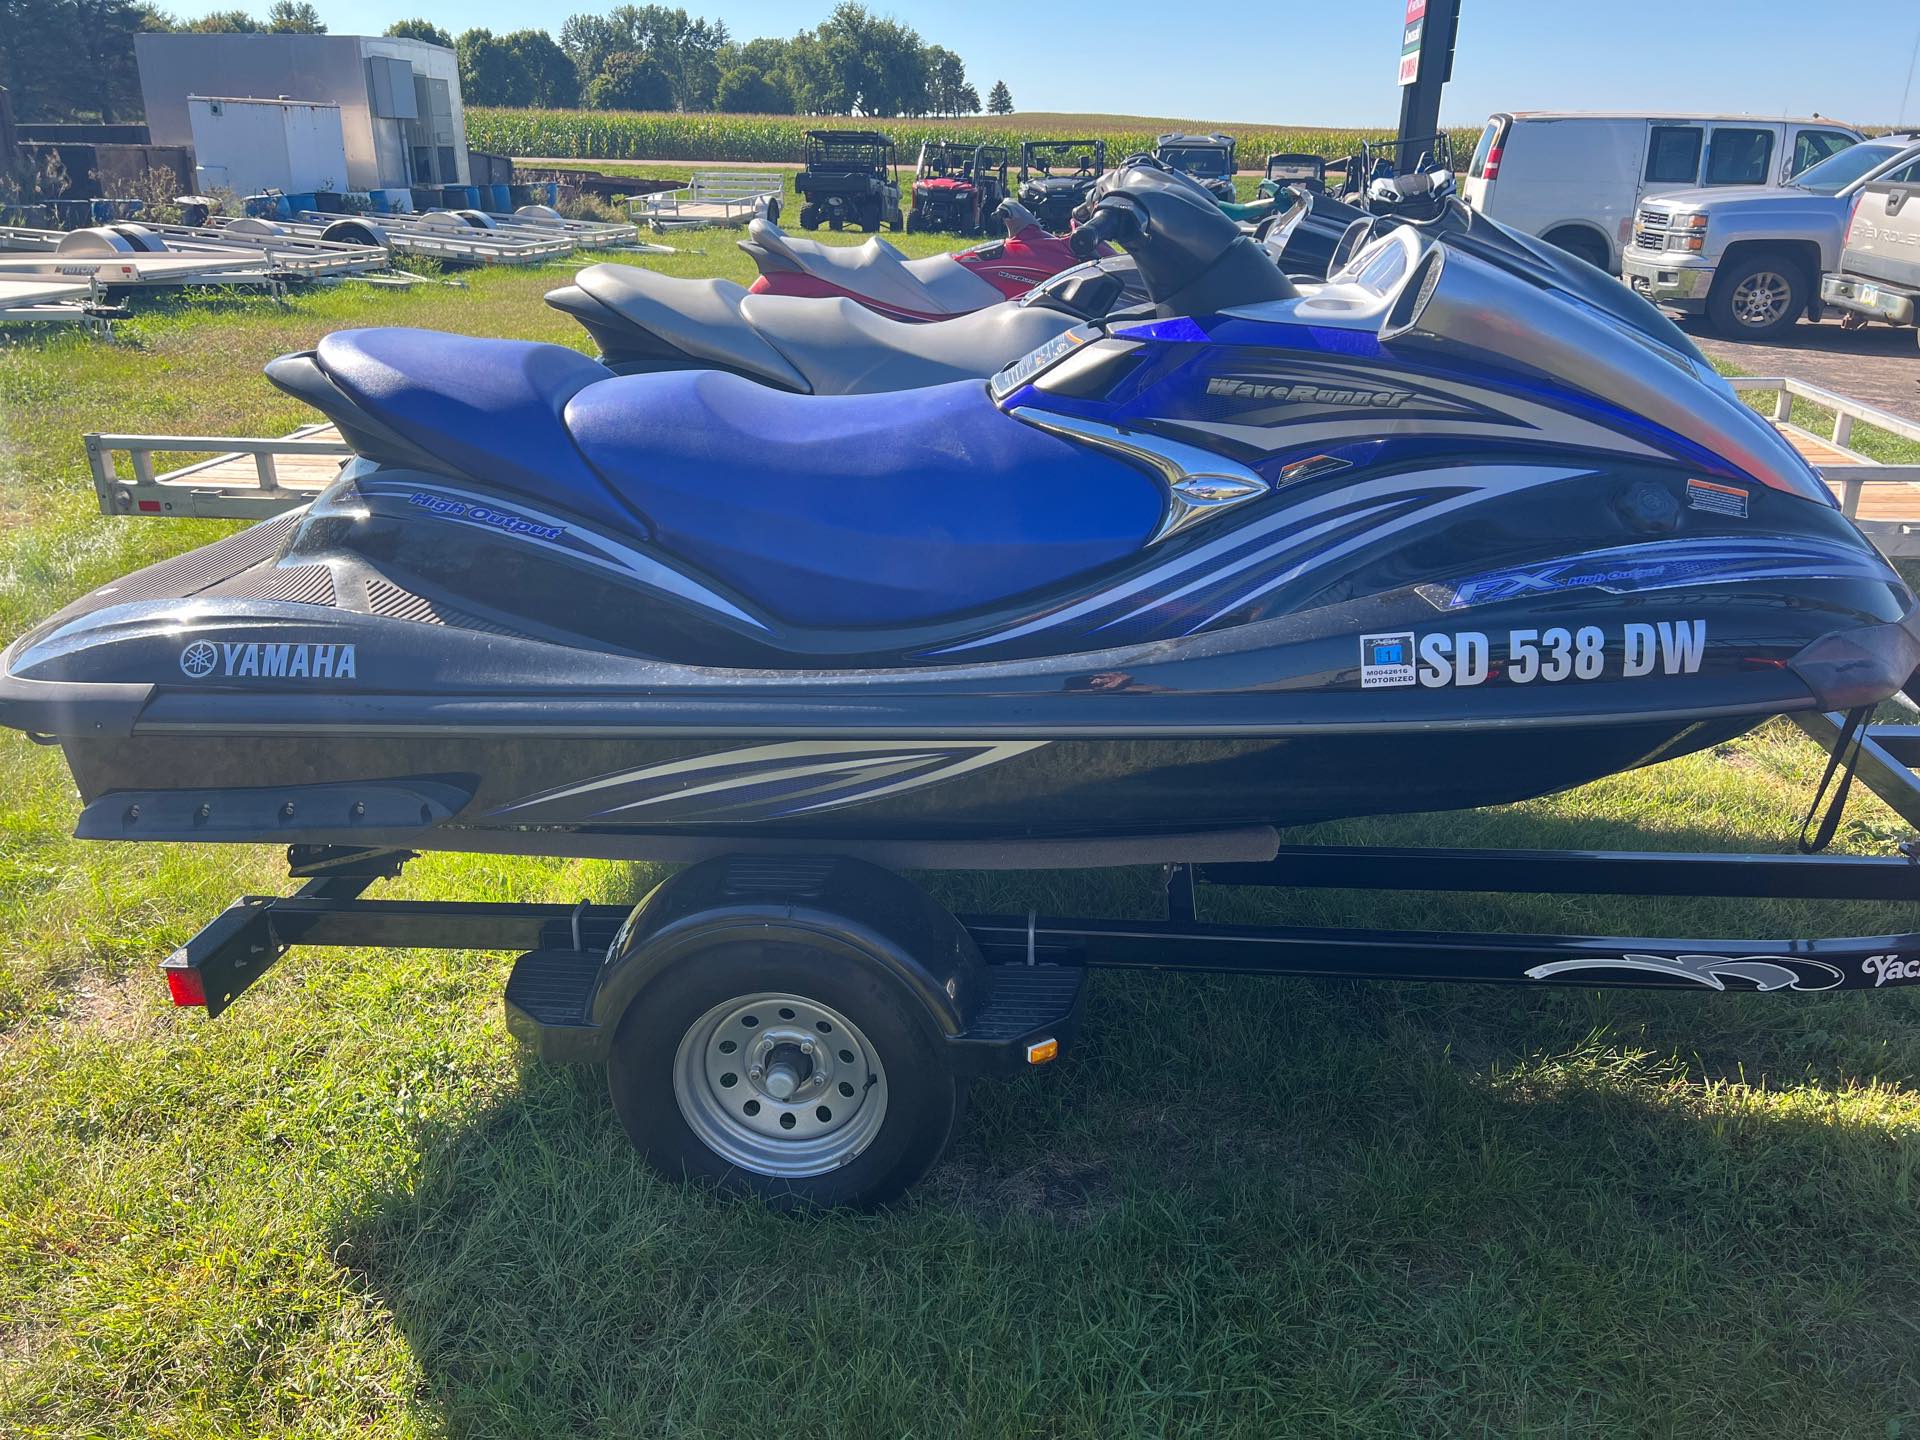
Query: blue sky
{"points": [[1333, 62]]}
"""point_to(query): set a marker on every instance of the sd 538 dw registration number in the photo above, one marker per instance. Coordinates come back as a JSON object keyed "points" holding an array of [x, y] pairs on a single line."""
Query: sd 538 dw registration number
{"points": [[1465, 657]]}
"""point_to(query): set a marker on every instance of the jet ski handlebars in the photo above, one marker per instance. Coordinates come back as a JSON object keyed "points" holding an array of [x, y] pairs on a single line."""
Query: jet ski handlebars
{"points": [[1193, 259]]}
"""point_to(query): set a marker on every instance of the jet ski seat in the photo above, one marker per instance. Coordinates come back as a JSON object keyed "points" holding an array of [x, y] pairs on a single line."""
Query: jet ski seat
{"points": [[826, 347], [485, 409], [860, 510], [936, 285]]}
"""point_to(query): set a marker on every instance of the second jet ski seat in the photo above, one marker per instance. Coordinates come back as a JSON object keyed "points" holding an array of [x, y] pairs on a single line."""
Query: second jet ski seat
{"points": [[938, 285], [860, 510], [822, 347]]}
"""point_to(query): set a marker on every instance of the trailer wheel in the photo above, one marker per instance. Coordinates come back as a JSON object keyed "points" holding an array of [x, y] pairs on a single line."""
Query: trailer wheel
{"points": [[777, 1072]]}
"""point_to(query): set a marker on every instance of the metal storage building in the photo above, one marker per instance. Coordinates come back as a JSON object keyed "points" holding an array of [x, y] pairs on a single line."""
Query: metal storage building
{"points": [[401, 119]]}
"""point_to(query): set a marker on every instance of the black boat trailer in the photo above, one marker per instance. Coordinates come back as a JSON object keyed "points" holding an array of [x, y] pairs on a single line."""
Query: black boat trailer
{"points": [[798, 951]]}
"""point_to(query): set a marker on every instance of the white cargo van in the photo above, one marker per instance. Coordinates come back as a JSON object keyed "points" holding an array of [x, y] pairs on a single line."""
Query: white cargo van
{"points": [[1576, 178]]}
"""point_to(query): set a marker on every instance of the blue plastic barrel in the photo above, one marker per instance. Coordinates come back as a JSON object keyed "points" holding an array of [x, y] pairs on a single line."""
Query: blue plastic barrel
{"points": [[500, 198], [302, 200]]}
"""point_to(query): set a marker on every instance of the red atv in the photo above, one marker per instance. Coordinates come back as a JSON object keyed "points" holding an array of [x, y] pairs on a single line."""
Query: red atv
{"points": [[957, 187], [938, 287]]}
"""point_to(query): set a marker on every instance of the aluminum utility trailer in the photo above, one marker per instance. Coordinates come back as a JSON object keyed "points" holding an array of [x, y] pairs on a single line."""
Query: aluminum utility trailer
{"points": [[716, 197], [42, 300], [259, 243], [238, 478], [1883, 500], [546, 222], [437, 235]]}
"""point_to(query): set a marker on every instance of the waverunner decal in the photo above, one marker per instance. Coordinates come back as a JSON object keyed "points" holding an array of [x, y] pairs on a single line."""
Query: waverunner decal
{"points": [[763, 782], [248, 660], [1292, 392], [1465, 658]]}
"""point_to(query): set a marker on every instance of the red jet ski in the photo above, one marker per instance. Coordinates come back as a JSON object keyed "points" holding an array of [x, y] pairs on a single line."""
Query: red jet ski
{"points": [[938, 287]]}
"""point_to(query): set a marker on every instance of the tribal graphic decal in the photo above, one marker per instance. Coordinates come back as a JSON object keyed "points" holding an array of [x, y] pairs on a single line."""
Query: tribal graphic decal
{"points": [[1750, 972], [1666, 565], [762, 782], [547, 532], [1208, 583]]}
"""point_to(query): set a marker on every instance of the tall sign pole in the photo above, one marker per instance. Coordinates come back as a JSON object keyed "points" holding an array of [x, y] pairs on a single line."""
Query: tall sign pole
{"points": [[1426, 64]]}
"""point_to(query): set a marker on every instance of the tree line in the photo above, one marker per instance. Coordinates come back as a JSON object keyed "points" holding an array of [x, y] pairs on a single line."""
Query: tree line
{"points": [[73, 60]]}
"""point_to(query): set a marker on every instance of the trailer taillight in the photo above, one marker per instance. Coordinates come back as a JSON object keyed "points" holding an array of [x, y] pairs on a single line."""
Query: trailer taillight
{"points": [[186, 987]]}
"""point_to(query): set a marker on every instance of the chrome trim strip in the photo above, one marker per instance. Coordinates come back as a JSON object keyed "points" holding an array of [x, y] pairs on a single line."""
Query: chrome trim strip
{"points": [[1200, 484]]}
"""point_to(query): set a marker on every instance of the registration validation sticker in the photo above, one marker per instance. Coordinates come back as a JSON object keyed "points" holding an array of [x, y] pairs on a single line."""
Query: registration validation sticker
{"points": [[1386, 660]]}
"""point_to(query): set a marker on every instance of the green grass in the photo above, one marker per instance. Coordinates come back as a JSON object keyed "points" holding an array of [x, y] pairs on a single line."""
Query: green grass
{"points": [[349, 1208]]}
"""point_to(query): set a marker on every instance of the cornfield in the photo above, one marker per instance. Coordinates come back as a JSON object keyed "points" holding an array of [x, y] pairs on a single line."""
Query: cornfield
{"points": [[629, 135]]}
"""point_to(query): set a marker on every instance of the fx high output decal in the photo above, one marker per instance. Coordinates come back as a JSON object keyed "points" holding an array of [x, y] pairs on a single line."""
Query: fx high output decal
{"points": [[1528, 657]]}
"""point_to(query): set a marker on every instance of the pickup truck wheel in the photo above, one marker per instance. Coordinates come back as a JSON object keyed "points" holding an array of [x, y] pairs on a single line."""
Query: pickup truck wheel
{"points": [[1757, 298]]}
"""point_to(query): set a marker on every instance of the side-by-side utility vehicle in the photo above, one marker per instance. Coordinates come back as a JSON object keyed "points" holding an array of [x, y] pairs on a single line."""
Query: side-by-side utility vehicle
{"points": [[852, 177]]}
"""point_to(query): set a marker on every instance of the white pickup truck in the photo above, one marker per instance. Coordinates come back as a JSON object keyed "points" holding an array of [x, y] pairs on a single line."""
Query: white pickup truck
{"points": [[1879, 273], [1750, 258]]}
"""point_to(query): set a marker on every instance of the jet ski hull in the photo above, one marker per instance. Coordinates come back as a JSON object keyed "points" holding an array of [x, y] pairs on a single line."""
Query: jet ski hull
{"points": [[627, 796], [231, 695]]}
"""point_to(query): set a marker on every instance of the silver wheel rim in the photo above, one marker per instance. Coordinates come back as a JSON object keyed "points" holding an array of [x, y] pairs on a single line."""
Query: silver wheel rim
{"points": [[780, 1085], [1762, 298]]}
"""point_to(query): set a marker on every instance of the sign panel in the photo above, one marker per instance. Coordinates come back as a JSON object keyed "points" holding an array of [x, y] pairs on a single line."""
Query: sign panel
{"points": [[1410, 38]]}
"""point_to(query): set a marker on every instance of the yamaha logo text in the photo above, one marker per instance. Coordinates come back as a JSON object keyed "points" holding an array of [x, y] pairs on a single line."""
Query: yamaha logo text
{"points": [[252, 659]]}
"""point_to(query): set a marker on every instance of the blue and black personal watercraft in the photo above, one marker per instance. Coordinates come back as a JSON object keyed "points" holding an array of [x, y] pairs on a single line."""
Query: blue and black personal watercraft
{"points": [[1440, 533]]}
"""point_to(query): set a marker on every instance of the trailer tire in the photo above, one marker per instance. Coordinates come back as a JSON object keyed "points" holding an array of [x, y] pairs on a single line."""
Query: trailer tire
{"points": [[693, 1117]]}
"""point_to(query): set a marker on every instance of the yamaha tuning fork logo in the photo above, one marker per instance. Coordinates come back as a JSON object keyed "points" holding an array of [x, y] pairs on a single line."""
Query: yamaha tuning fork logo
{"points": [[253, 659]]}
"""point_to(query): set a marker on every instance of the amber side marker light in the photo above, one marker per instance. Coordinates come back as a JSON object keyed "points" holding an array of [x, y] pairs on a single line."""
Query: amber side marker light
{"points": [[1041, 1051], [186, 987]]}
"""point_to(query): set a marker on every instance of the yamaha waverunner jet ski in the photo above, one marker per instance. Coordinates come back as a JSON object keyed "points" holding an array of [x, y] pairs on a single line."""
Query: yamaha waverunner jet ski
{"points": [[1434, 536]]}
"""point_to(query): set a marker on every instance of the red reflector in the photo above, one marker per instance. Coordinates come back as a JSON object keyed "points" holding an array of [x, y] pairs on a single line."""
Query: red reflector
{"points": [[186, 987], [150, 507]]}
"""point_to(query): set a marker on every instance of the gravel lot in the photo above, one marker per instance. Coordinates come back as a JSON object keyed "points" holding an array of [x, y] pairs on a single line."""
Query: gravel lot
{"points": [[1880, 365]]}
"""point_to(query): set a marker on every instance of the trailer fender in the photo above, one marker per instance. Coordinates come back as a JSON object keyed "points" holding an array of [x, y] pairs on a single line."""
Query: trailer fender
{"points": [[835, 910]]}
